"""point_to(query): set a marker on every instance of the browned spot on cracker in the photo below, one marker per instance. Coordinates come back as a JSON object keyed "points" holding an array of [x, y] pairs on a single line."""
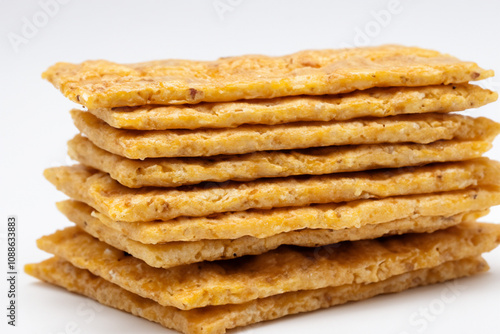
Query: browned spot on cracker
{"points": [[192, 93]]}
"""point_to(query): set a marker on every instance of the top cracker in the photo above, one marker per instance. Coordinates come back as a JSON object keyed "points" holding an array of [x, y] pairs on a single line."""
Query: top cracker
{"points": [[103, 84]]}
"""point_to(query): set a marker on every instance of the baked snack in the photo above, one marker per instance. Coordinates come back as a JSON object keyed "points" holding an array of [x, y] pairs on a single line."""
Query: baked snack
{"points": [[174, 172], [106, 84], [103, 193], [419, 128], [176, 253], [216, 319], [217, 194], [375, 102]]}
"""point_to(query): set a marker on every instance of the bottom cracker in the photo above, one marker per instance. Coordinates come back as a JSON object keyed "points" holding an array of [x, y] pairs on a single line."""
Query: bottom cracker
{"points": [[217, 319], [284, 269]]}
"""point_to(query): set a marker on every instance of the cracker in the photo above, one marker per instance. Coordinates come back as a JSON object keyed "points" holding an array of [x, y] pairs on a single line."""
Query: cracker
{"points": [[315, 72], [179, 253], [217, 319], [281, 270], [100, 191], [174, 172], [418, 128], [375, 102], [267, 223]]}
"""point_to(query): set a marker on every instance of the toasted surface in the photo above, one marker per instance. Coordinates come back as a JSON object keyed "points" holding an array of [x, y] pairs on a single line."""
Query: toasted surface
{"points": [[375, 102], [417, 128], [216, 319], [100, 191], [278, 271], [174, 172], [267, 223], [179, 253], [315, 72]]}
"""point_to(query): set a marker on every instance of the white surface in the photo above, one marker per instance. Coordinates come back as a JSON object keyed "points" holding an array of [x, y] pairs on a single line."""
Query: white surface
{"points": [[35, 126]]}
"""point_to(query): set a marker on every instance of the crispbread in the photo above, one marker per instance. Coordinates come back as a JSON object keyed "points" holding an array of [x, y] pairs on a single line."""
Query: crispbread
{"points": [[418, 128], [178, 253], [267, 223], [173, 172], [314, 72], [100, 191], [278, 271], [376, 102], [216, 319]]}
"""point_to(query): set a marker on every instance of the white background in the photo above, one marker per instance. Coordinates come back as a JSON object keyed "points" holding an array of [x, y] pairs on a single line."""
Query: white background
{"points": [[35, 126]]}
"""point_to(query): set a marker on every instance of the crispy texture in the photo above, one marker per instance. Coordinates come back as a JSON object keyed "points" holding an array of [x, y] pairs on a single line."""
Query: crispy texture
{"points": [[376, 102], [278, 271], [174, 172], [179, 253], [267, 223], [100, 191], [216, 319], [314, 72], [418, 128]]}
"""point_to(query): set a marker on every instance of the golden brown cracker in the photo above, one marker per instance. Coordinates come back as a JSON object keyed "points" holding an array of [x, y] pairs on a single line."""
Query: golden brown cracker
{"points": [[217, 319], [174, 172], [418, 128], [267, 223], [278, 271], [375, 102], [100, 191], [313, 72], [173, 254]]}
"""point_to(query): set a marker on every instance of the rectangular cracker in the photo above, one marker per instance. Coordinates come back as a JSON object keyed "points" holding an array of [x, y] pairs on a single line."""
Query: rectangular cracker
{"points": [[100, 191], [278, 271], [267, 223], [174, 172], [417, 128], [217, 319], [375, 102], [314, 72], [173, 254]]}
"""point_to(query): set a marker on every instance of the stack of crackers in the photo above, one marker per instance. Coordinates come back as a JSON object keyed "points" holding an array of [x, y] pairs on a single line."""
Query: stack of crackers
{"points": [[212, 195]]}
